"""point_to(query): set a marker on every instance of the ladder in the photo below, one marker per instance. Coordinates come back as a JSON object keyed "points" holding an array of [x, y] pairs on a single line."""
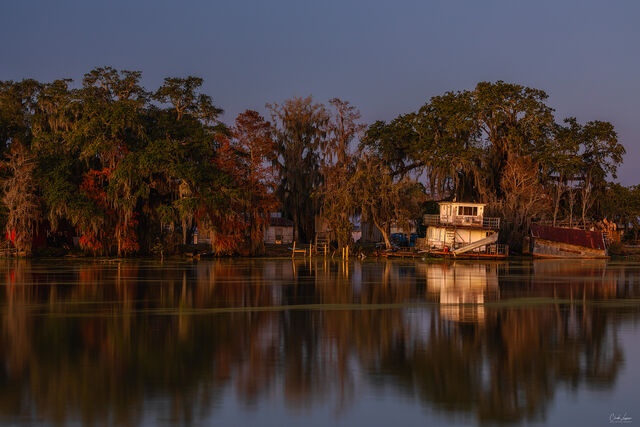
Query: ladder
{"points": [[322, 241]]}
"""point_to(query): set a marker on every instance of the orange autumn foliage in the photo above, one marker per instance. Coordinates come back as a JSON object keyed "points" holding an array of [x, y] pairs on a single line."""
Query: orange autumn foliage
{"points": [[124, 232]]}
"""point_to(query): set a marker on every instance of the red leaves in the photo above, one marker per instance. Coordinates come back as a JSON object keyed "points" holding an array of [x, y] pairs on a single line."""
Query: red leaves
{"points": [[116, 224], [89, 241], [230, 233], [94, 186], [128, 236], [245, 158]]}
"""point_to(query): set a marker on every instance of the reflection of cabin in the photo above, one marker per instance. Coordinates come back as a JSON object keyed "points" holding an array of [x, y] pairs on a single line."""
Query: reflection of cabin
{"points": [[462, 228], [279, 231], [463, 289]]}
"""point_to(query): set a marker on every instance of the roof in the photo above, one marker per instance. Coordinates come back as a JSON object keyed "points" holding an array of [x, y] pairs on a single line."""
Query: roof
{"points": [[280, 222], [462, 203], [570, 236]]}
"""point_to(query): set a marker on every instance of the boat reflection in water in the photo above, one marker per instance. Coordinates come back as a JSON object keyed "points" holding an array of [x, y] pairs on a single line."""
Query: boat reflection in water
{"points": [[276, 341], [463, 288]]}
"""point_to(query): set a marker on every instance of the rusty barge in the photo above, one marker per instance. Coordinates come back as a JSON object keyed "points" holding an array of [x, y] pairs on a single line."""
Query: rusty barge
{"points": [[558, 242]]}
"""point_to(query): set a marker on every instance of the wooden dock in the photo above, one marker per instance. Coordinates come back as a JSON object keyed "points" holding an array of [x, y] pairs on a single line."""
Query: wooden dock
{"points": [[311, 250]]}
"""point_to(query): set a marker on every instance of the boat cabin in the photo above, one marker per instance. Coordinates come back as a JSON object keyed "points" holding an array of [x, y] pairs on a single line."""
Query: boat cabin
{"points": [[458, 213]]}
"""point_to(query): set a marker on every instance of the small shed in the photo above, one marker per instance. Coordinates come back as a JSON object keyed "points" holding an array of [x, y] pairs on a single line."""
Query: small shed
{"points": [[279, 231]]}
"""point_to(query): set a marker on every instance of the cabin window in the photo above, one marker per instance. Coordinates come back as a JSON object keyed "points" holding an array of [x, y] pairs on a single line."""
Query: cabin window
{"points": [[468, 210]]}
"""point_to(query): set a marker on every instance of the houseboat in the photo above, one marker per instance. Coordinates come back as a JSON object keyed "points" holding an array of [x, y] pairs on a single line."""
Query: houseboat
{"points": [[559, 242], [461, 230]]}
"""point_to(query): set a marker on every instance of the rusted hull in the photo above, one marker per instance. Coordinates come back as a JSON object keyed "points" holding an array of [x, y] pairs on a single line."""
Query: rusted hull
{"points": [[560, 242], [543, 248]]}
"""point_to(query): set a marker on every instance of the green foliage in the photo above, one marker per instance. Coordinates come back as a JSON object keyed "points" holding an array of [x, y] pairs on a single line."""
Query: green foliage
{"points": [[384, 200], [460, 144], [123, 167], [111, 163]]}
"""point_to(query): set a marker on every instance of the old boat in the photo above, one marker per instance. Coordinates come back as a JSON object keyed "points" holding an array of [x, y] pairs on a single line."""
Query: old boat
{"points": [[559, 242], [461, 230]]}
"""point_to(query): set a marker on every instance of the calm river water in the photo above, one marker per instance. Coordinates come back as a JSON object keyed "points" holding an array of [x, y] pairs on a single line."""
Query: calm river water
{"points": [[314, 343]]}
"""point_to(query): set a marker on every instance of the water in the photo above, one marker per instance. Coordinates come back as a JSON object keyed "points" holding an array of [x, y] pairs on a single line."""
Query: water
{"points": [[314, 343]]}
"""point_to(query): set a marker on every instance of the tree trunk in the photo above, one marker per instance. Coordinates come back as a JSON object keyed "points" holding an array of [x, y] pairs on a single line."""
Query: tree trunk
{"points": [[387, 242], [184, 232], [586, 195], [385, 234], [556, 205], [585, 200], [295, 224], [571, 205]]}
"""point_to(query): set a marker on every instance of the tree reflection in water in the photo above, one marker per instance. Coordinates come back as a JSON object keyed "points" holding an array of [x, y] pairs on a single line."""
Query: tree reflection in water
{"points": [[95, 341]]}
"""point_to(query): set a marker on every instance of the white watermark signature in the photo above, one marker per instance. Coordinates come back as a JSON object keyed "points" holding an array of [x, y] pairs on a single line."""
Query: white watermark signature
{"points": [[619, 418]]}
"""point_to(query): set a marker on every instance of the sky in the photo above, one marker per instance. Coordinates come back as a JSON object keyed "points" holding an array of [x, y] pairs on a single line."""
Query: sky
{"points": [[385, 57]]}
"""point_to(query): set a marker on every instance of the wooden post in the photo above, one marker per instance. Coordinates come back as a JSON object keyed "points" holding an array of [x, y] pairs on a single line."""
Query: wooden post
{"points": [[347, 252]]}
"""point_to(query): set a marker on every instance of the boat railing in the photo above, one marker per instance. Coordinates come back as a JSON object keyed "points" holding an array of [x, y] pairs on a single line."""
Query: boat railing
{"points": [[493, 223], [487, 222], [432, 220]]}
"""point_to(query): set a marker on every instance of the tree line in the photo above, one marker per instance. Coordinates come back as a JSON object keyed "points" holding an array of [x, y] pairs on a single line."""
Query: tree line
{"points": [[131, 171]]}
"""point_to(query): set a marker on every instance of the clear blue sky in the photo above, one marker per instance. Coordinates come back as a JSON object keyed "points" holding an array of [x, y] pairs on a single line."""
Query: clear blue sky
{"points": [[386, 57]]}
